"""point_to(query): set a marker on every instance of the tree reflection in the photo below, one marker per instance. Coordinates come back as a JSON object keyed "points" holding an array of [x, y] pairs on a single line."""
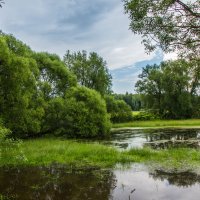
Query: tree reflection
{"points": [[184, 179], [54, 183]]}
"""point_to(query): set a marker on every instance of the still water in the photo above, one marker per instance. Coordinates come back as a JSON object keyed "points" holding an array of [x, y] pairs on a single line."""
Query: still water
{"points": [[155, 138], [135, 183], [59, 183]]}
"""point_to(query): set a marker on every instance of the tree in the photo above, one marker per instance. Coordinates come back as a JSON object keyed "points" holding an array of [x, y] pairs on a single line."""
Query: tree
{"points": [[54, 79], [39, 95], [133, 100], [150, 86], [171, 87], [87, 109], [82, 113], [91, 71], [171, 25], [118, 109], [28, 81], [18, 88]]}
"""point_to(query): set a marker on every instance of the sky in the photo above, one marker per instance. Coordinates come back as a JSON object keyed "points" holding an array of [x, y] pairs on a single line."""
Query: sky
{"points": [[95, 26]]}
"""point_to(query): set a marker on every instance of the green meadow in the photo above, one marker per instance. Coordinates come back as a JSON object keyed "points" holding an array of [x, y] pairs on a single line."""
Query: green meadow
{"points": [[159, 123], [44, 152]]}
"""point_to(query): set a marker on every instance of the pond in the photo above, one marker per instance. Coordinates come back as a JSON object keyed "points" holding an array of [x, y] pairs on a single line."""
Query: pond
{"points": [[60, 183], [138, 182], [155, 138]]}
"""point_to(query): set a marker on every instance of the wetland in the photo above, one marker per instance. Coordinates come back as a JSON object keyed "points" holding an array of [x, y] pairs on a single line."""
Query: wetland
{"points": [[134, 164]]}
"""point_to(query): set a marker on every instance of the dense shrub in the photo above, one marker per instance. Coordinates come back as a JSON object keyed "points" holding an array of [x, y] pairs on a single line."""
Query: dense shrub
{"points": [[4, 132], [9, 147], [144, 115], [82, 113], [118, 109], [28, 83]]}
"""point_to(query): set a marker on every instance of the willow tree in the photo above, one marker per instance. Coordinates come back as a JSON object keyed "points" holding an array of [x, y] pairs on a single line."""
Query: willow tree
{"points": [[172, 88], [171, 25], [91, 70]]}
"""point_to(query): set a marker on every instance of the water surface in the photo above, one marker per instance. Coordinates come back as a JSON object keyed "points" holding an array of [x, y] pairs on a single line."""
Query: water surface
{"points": [[155, 138], [60, 183]]}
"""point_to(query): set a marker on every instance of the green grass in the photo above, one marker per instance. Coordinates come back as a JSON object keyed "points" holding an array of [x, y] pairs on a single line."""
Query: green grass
{"points": [[160, 123], [48, 151]]}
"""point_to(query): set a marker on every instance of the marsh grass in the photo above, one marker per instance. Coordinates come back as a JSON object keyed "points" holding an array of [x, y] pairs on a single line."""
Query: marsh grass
{"points": [[44, 152], [160, 123]]}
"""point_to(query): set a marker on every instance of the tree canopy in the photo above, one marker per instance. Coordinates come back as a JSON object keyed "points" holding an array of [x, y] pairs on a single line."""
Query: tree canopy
{"points": [[172, 88], [171, 25], [91, 70], [133, 100], [119, 110], [39, 95]]}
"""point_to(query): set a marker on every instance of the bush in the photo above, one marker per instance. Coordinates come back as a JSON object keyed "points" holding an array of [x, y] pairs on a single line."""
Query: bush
{"points": [[82, 113], [9, 148], [4, 132], [144, 115], [118, 109]]}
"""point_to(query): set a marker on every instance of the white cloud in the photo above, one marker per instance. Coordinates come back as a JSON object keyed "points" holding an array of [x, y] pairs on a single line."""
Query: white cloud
{"points": [[100, 26], [56, 26]]}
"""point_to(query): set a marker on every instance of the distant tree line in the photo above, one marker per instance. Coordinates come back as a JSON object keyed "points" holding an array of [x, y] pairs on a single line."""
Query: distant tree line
{"points": [[172, 88], [133, 100], [91, 71]]}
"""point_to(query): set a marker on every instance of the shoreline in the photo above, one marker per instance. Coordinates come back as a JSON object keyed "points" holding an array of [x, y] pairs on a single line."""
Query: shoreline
{"points": [[189, 123], [156, 127]]}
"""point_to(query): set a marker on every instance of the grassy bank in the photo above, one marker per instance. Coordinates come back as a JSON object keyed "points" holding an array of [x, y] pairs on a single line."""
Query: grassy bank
{"points": [[47, 151], [160, 123]]}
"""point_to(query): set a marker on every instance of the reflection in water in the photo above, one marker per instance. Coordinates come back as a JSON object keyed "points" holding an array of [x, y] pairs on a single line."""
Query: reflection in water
{"points": [[156, 138], [142, 185], [55, 183], [58, 183], [184, 179]]}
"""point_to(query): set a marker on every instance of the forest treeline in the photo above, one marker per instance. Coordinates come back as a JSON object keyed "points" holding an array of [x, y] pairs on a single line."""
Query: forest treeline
{"points": [[171, 89]]}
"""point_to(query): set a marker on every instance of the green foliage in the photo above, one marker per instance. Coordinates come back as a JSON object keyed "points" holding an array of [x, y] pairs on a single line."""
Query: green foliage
{"points": [[171, 25], [144, 115], [16, 46], [4, 132], [91, 71], [171, 88], [36, 94], [88, 113], [17, 86], [118, 109], [133, 100], [54, 78], [10, 148], [82, 113]]}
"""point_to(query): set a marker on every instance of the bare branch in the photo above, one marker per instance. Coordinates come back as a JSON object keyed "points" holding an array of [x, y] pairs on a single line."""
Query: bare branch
{"points": [[187, 8]]}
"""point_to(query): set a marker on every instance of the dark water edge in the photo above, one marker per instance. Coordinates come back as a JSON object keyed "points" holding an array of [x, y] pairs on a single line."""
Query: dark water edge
{"points": [[60, 183]]}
